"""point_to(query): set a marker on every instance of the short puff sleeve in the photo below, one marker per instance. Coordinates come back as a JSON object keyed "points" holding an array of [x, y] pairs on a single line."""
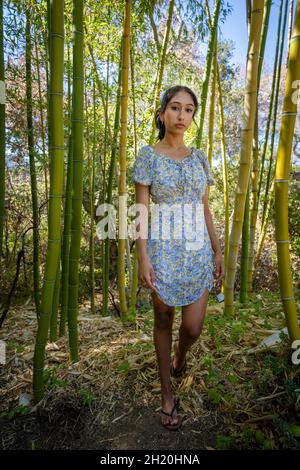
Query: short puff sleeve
{"points": [[141, 171], [207, 169]]}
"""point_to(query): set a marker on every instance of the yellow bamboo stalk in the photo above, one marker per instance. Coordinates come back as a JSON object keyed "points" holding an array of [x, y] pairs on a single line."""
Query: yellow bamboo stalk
{"points": [[225, 172], [253, 204], [212, 105], [263, 230], [161, 68], [245, 152], [122, 179], [281, 179]]}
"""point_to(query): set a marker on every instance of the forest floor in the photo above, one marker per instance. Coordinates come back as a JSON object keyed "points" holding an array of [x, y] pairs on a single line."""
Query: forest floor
{"points": [[233, 396]]}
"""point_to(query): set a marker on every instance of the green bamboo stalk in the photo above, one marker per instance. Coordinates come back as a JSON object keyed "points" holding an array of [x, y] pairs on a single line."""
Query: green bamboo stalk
{"points": [[77, 147], [90, 162], [47, 42], [273, 131], [100, 90], [31, 151], [112, 167], [161, 68], [252, 216], [224, 172], [92, 208], [248, 232], [67, 215], [2, 133], [255, 152], [290, 29], [243, 295], [134, 277], [245, 229], [56, 184], [263, 231], [41, 118], [55, 305], [223, 150], [207, 69], [104, 245], [265, 28], [266, 137], [212, 105]]}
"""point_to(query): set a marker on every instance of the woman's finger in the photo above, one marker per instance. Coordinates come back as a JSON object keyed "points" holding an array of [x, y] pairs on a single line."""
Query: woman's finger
{"points": [[151, 285]]}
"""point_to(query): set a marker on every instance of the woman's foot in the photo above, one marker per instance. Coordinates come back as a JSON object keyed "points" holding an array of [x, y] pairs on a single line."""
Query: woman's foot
{"points": [[169, 412]]}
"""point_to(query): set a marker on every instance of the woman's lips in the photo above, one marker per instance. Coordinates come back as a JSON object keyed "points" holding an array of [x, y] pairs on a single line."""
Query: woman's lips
{"points": [[180, 125]]}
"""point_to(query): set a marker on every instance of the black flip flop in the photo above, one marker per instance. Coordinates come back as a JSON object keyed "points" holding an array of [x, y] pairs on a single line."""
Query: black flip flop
{"points": [[173, 427]]}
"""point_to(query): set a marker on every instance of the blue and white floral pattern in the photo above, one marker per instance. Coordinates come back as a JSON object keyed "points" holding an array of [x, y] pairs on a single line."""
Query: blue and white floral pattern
{"points": [[181, 274]]}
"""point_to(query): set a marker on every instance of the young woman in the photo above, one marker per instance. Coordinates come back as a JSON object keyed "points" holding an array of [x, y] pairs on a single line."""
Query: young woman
{"points": [[178, 272]]}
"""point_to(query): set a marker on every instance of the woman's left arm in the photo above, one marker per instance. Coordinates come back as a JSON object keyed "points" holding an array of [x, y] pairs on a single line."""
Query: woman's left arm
{"points": [[219, 273]]}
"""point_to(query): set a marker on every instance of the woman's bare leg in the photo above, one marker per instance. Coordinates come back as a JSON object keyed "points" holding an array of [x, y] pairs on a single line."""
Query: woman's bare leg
{"points": [[191, 326], [162, 334]]}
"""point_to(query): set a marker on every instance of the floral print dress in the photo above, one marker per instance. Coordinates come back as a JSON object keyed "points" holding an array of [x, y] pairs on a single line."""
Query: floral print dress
{"points": [[183, 264]]}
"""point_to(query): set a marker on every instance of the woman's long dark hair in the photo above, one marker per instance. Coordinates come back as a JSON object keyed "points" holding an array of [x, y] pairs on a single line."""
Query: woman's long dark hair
{"points": [[168, 94]]}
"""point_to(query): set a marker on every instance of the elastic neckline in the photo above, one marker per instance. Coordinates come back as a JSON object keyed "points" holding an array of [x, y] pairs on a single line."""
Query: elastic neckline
{"points": [[172, 159]]}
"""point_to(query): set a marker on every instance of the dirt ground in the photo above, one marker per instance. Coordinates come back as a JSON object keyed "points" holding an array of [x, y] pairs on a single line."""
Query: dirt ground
{"points": [[129, 425], [110, 398], [87, 405]]}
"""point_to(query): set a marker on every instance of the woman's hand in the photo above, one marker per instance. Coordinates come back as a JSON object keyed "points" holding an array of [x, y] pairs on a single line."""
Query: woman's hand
{"points": [[146, 274], [219, 269]]}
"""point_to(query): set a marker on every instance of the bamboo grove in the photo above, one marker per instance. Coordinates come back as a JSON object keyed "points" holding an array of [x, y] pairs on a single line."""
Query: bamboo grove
{"points": [[90, 100]]}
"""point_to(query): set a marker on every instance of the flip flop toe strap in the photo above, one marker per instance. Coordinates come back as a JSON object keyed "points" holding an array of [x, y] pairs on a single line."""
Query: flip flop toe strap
{"points": [[173, 409]]}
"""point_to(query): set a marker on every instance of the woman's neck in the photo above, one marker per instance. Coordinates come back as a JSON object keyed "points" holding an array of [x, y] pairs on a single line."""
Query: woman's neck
{"points": [[175, 142]]}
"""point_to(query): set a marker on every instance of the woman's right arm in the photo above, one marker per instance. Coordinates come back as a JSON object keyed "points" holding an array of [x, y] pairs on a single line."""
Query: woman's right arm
{"points": [[146, 272], [142, 196]]}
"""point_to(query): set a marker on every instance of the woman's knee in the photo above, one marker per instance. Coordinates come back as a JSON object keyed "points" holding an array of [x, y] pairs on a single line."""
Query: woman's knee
{"points": [[192, 331], [163, 318], [163, 313]]}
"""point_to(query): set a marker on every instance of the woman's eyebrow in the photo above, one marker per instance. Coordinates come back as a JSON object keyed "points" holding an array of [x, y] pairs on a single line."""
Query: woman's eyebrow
{"points": [[188, 104]]}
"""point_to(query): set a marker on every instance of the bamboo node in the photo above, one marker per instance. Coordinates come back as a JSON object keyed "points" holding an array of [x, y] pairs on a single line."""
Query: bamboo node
{"points": [[58, 35], [289, 113], [295, 38]]}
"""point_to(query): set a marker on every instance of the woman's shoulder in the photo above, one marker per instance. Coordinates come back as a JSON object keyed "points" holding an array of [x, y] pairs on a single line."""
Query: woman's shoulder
{"points": [[200, 153], [206, 165], [145, 151], [145, 147]]}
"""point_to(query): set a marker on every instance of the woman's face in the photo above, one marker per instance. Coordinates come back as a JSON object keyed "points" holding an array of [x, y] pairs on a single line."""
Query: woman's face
{"points": [[179, 112]]}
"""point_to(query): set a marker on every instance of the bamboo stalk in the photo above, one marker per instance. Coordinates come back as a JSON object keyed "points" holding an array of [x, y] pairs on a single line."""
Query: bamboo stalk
{"points": [[245, 152], [122, 181], [56, 151], [281, 180], [31, 151], [77, 151]]}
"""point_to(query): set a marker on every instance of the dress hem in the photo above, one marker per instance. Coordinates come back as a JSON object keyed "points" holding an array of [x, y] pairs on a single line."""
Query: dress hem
{"points": [[190, 301]]}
